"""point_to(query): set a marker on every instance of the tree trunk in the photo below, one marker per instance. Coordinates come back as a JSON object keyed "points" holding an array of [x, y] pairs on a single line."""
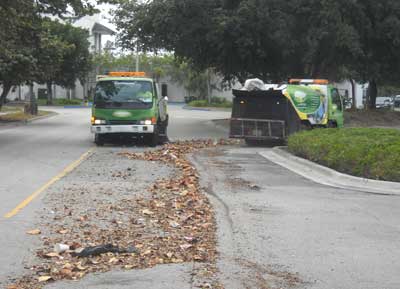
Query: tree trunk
{"points": [[353, 94], [208, 86], [372, 94], [6, 89], [49, 93], [32, 101]]}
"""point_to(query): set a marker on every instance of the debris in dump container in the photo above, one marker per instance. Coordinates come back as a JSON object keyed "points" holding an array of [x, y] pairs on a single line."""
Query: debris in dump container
{"points": [[254, 84], [102, 249]]}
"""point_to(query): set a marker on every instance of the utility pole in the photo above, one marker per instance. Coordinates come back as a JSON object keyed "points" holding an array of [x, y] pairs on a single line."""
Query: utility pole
{"points": [[208, 86], [137, 56], [137, 53]]}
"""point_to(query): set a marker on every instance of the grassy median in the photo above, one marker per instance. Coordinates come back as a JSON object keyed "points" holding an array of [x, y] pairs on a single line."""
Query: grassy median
{"points": [[372, 153], [19, 115]]}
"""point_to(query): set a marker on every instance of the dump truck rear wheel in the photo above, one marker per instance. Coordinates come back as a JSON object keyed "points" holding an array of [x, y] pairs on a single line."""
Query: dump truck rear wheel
{"points": [[332, 124], [251, 142]]}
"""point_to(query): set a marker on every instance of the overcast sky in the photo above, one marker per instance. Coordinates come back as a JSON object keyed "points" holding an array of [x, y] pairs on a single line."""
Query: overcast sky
{"points": [[105, 19], [105, 14]]}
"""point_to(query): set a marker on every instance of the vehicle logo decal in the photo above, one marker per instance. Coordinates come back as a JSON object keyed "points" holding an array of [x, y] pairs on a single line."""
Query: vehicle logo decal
{"points": [[121, 113]]}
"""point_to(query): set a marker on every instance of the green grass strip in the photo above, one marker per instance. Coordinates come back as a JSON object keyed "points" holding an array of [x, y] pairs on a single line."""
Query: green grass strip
{"points": [[372, 153]]}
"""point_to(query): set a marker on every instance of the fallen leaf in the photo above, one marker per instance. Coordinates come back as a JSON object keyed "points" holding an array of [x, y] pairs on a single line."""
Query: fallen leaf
{"points": [[66, 273], [185, 246], [44, 278], [147, 212], [174, 224], [52, 254], [34, 232], [67, 266], [113, 260], [80, 267]]}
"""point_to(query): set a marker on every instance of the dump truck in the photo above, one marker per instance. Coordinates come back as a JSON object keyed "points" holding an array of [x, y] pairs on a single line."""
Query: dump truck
{"points": [[275, 111], [129, 105]]}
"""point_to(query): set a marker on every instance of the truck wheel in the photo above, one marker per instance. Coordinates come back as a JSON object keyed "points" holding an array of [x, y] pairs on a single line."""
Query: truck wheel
{"points": [[163, 136], [99, 139], [332, 124], [251, 142], [153, 139]]}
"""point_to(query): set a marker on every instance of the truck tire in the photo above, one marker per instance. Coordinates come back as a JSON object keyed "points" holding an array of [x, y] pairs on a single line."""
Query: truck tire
{"points": [[99, 139], [163, 136], [332, 124], [251, 142], [153, 139]]}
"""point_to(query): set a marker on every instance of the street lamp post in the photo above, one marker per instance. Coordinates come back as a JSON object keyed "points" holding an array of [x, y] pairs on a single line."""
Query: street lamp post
{"points": [[137, 56], [137, 53]]}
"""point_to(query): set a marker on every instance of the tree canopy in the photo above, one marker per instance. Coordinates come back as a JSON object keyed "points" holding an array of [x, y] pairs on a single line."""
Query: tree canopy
{"points": [[194, 81], [62, 55], [271, 39], [35, 48]]}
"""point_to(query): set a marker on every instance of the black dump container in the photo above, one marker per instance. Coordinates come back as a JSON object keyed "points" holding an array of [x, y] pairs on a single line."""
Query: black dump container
{"points": [[263, 115]]}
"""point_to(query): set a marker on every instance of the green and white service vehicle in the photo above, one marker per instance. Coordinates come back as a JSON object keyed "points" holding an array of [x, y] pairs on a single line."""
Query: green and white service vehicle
{"points": [[273, 112], [129, 104]]}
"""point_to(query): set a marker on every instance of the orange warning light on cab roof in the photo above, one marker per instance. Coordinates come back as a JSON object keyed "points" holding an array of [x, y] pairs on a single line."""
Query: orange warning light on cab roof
{"points": [[321, 81], [308, 81], [127, 74]]}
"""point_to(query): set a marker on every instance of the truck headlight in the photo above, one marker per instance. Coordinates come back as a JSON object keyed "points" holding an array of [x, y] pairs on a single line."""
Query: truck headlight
{"points": [[99, 121], [146, 122]]}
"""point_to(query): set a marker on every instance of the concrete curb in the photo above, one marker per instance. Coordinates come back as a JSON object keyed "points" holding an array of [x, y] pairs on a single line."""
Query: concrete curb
{"points": [[51, 114], [327, 176], [187, 107], [77, 106], [219, 125]]}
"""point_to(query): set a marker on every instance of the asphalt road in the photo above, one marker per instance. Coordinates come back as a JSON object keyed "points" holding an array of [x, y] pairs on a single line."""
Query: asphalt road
{"points": [[32, 155], [275, 228], [280, 229]]}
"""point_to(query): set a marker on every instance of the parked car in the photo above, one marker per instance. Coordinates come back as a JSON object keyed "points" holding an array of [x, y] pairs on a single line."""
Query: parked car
{"points": [[384, 102], [396, 104]]}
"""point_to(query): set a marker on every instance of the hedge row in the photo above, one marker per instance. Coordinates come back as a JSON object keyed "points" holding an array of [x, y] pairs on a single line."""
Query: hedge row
{"points": [[365, 152], [223, 103], [61, 101]]}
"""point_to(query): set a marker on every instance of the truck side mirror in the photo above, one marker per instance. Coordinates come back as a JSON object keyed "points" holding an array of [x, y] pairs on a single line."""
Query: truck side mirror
{"points": [[164, 90]]}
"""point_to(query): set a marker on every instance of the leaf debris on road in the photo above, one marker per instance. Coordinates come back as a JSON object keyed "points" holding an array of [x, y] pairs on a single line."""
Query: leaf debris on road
{"points": [[175, 225]]}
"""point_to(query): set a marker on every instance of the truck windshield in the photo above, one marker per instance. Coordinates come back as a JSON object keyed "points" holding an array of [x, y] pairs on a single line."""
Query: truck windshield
{"points": [[126, 94]]}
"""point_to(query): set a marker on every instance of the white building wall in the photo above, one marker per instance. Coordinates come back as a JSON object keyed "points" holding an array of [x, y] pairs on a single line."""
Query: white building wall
{"points": [[360, 92], [58, 92], [176, 92]]}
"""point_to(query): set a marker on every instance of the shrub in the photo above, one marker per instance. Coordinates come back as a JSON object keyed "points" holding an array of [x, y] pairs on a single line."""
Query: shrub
{"points": [[61, 101], [215, 102], [372, 153], [64, 101]]}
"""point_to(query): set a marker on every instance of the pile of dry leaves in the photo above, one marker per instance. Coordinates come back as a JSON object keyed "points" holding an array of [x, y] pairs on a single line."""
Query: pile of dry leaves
{"points": [[176, 224]]}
